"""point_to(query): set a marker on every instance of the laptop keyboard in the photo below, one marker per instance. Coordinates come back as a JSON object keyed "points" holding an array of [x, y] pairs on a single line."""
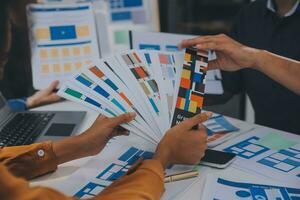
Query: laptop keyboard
{"points": [[24, 128]]}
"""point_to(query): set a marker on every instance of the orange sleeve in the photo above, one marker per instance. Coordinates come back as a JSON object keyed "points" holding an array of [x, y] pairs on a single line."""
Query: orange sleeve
{"points": [[13, 188], [146, 183], [29, 161]]}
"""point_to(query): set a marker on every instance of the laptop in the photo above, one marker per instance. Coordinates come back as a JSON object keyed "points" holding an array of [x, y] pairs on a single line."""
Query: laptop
{"points": [[22, 128]]}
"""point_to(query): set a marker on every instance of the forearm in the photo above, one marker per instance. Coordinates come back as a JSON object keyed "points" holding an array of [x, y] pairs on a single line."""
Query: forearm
{"points": [[283, 70], [75, 147]]}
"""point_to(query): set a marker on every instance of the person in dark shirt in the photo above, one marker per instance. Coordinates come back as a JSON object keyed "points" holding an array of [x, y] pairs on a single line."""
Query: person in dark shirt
{"points": [[275, 27], [234, 56]]}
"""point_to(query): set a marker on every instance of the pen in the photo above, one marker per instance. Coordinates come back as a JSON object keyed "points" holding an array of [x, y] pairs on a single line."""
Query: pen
{"points": [[181, 176]]}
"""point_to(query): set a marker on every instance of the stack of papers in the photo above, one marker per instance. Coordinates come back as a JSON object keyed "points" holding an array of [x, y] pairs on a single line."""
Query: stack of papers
{"points": [[162, 88]]}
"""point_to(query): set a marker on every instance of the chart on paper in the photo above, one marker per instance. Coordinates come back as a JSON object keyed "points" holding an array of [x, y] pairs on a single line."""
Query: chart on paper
{"points": [[59, 47], [219, 187], [270, 154], [112, 172]]}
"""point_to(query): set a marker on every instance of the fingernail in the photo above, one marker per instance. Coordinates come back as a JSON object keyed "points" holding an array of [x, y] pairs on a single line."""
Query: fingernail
{"points": [[209, 114], [198, 46], [132, 114]]}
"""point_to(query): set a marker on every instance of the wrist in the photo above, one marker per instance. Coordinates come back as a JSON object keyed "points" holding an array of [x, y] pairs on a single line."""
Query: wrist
{"points": [[91, 143], [258, 58], [30, 102], [162, 157]]}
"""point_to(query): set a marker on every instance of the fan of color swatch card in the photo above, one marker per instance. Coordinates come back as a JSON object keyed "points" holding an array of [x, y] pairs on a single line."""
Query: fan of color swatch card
{"points": [[162, 88]]}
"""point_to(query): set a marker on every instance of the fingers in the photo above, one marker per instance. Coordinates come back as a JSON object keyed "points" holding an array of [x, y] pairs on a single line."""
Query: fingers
{"points": [[53, 86], [205, 42], [189, 123], [118, 131], [125, 118], [54, 97]]}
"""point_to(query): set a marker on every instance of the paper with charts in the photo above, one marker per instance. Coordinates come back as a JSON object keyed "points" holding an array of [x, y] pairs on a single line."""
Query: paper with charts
{"points": [[59, 47], [147, 83], [274, 154], [223, 187], [113, 163]]}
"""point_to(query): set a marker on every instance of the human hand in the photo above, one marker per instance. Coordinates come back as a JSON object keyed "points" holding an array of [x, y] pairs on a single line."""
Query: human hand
{"points": [[93, 140], [183, 145], [104, 129], [43, 97], [231, 55]]}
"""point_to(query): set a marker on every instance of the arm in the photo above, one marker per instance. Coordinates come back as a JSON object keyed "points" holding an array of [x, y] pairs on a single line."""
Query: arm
{"points": [[233, 56], [37, 159], [43, 97], [180, 145], [146, 182]]}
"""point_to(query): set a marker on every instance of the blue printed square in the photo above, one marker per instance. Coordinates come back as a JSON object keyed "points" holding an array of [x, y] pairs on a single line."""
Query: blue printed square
{"points": [[197, 77]]}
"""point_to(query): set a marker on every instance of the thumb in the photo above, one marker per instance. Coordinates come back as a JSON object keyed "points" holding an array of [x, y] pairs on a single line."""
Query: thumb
{"points": [[190, 123], [121, 119]]}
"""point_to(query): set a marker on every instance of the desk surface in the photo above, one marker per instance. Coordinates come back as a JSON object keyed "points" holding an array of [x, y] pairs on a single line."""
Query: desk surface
{"points": [[67, 169]]}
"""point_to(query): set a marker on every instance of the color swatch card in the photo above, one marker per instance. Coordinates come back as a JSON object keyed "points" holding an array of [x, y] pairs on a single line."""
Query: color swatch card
{"points": [[143, 82], [60, 47], [190, 93]]}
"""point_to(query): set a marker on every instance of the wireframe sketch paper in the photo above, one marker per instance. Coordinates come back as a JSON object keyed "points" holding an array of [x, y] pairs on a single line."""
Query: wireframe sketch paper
{"points": [[274, 154], [60, 47], [224, 187]]}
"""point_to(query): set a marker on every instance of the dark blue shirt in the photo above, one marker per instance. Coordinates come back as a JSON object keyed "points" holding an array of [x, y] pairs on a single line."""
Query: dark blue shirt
{"points": [[257, 26]]}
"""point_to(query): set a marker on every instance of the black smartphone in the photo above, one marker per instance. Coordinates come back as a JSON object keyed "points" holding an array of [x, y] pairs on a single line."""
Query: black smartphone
{"points": [[217, 159]]}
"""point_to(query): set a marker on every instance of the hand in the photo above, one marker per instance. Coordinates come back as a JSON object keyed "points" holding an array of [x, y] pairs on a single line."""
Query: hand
{"points": [[43, 97], [93, 140], [181, 144], [104, 129], [231, 55]]}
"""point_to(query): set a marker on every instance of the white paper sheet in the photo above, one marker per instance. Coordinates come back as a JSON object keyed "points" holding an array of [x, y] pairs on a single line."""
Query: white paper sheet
{"points": [[59, 47], [271, 153], [223, 187]]}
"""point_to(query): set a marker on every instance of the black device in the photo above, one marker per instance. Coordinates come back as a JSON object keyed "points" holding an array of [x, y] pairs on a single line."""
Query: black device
{"points": [[22, 128], [217, 159]]}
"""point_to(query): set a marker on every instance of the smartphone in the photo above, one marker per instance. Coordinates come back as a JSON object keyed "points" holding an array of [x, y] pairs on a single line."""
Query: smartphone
{"points": [[217, 159]]}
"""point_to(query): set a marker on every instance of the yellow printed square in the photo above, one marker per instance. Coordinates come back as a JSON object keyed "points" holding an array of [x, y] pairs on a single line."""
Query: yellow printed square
{"points": [[186, 74], [54, 53], [65, 52], [83, 31], [88, 62], [67, 67], [193, 106], [182, 103], [76, 51], [187, 57], [78, 65], [87, 50], [42, 33], [45, 69], [56, 68], [43, 53]]}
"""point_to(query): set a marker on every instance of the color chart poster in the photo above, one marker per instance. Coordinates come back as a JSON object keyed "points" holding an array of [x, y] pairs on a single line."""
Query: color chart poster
{"points": [[190, 95]]}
